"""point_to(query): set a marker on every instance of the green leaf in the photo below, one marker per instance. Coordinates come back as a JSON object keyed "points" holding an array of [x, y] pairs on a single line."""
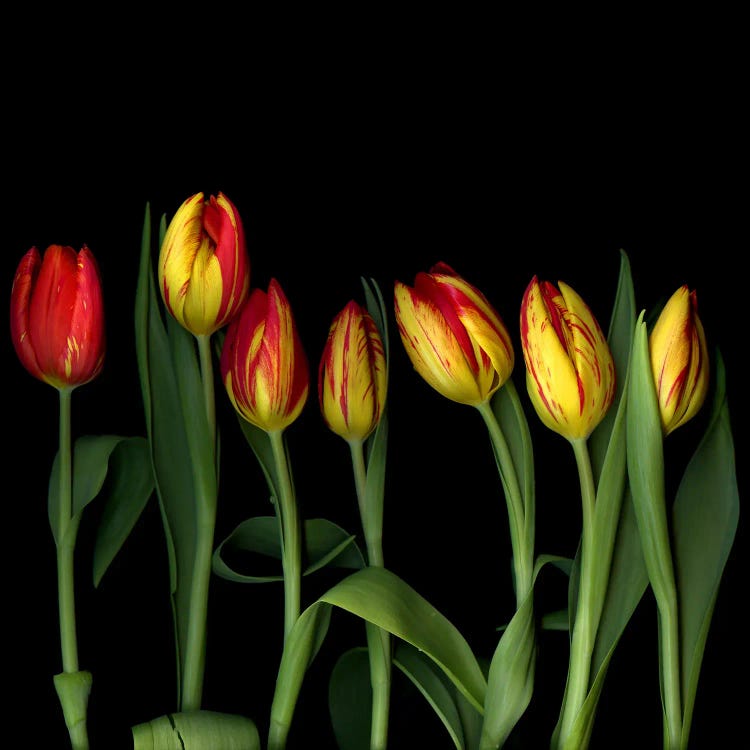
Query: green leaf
{"points": [[557, 620], [510, 682], [197, 730], [377, 443], [705, 518], [260, 444], [325, 544], [378, 596], [170, 448], [439, 692], [350, 700], [91, 455], [511, 417], [129, 487], [620, 340], [381, 597], [645, 460]]}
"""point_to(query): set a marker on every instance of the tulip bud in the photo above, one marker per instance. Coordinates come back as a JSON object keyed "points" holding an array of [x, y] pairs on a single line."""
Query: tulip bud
{"points": [[352, 374], [453, 336], [570, 373], [679, 360], [204, 269], [57, 316], [263, 364]]}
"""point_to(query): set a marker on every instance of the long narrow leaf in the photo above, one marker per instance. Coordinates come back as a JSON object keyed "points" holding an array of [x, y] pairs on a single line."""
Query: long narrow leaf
{"points": [[705, 518]]}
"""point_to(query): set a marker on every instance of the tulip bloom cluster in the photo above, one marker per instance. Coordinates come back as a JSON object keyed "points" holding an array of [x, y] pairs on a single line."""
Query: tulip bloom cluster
{"points": [[622, 394]]}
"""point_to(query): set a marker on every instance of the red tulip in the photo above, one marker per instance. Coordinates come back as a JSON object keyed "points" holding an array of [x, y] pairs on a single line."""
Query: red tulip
{"points": [[57, 316], [263, 364]]}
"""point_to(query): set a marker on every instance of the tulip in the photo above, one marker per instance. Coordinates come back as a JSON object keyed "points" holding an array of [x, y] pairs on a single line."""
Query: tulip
{"points": [[57, 316], [352, 374], [263, 364], [570, 373], [453, 336], [204, 269], [679, 360]]}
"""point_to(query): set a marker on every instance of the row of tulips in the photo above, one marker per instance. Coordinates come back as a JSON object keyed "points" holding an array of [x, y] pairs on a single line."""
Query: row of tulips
{"points": [[625, 393]]}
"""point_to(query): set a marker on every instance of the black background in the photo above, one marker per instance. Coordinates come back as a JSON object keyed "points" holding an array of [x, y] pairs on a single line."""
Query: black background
{"points": [[378, 165]]}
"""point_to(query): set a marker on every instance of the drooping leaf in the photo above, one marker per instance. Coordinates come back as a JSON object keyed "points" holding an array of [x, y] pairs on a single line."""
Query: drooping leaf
{"points": [[325, 544], [434, 685], [379, 596]]}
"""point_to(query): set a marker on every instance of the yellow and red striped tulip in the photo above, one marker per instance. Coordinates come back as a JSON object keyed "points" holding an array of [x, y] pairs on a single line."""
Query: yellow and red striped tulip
{"points": [[352, 374], [263, 364], [453, 336], [570, 373], [57, 316], [679, 360], [204, 268]]}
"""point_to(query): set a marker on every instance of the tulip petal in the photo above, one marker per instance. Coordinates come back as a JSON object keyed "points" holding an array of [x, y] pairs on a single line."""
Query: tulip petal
{"points": [[23, 282]]}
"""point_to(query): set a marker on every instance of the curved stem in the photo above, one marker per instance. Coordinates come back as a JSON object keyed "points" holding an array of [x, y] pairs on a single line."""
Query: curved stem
{"points": [[195, 647], [378, 640], [523, 552], [291, 534], [587, 610]]}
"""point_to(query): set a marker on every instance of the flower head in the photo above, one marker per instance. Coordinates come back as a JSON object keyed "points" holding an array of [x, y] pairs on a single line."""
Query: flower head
{"points": [[57, 316], [204, 269], [453, 336], [352, 374], [263, 364], [679, 360], [570, 373]]}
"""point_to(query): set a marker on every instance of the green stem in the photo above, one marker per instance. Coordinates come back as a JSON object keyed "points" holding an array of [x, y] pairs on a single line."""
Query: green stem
{"points": [[523, 551], [587, 609], [378, 640], [291, 534], [669, 643], [73, 701], [66, 541], [195, 647]]}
